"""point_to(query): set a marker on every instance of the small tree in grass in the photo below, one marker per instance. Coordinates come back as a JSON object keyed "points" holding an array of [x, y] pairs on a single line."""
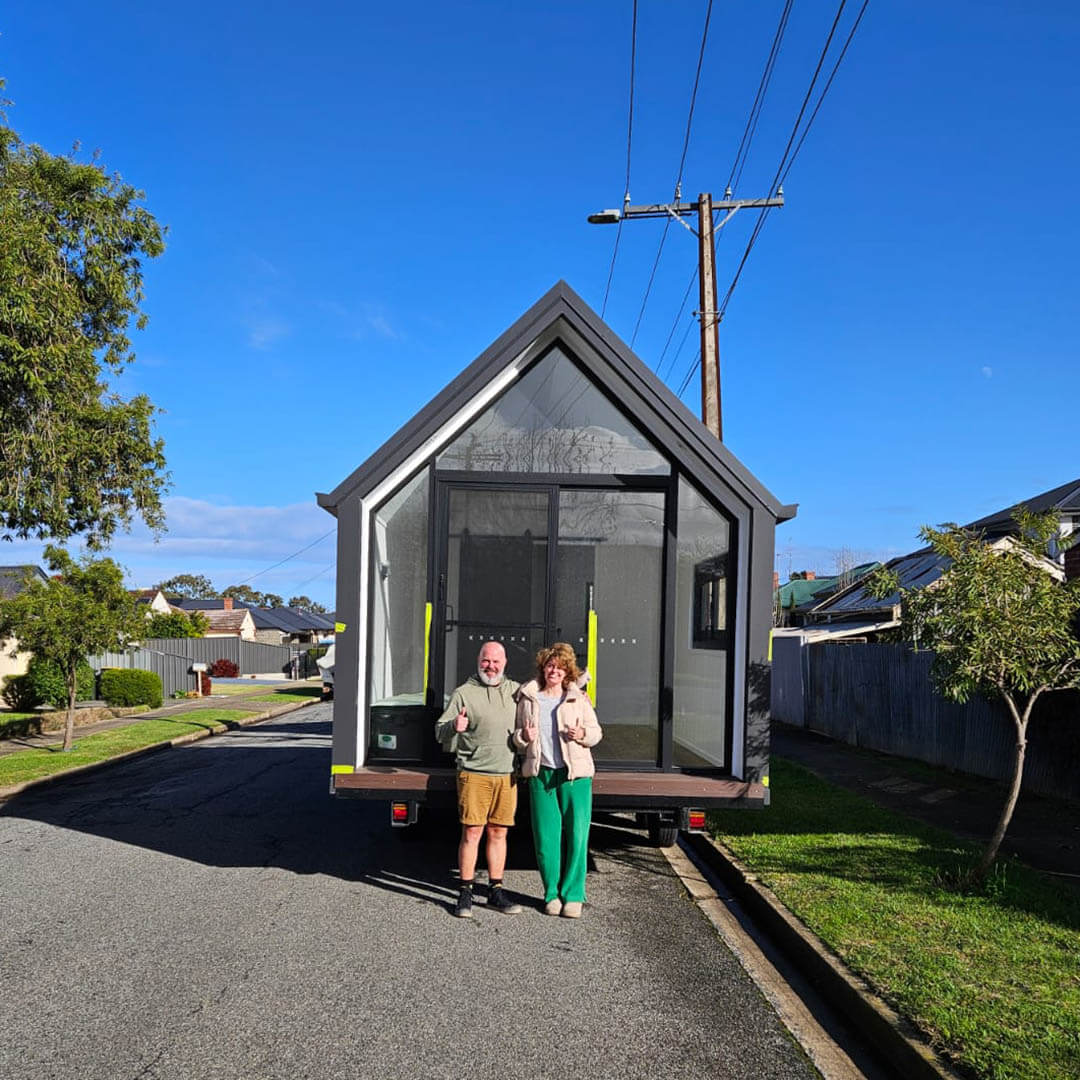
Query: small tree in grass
{"points": [[1000, 625], [177, 624], [83, 609]]}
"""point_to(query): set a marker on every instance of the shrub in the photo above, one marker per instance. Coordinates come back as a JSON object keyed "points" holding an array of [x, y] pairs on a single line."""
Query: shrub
{"points": [[204, 683], [44, 684], [131, 686], [18, 694], [224, 669]]}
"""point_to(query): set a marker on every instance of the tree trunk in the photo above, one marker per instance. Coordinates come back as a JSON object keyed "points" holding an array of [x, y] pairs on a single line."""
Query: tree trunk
{"points": [[69, 725], [1021, 723]]}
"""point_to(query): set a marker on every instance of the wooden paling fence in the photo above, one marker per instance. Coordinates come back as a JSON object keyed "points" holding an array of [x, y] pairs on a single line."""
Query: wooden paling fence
{"points": [[880, 697]]}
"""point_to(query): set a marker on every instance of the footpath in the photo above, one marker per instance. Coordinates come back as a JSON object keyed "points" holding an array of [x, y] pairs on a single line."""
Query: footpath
{"points": [[1044, 833]]}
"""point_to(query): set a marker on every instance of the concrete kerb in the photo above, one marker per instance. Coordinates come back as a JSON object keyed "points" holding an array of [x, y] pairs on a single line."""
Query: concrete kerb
{"points": [[894, 1037], [193, 736]]}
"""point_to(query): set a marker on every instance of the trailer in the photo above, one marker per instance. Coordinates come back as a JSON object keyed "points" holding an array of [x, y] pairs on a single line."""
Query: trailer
{"points": [[556, 490]]}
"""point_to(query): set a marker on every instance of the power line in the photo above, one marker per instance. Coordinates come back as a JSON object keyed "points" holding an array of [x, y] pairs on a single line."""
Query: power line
{"points": [[287, 558], [629, 141], [788, 157], [741, 157], [682, 164], [743, 153]]}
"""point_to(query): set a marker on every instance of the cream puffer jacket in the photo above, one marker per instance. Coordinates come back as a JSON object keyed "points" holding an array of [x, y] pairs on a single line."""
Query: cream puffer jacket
{"points": [[574, 711]]}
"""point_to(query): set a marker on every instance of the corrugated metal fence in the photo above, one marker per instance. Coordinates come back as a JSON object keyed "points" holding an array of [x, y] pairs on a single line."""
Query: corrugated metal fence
{"points": [[881, 697], [174, 671], [251, 657], [171, 658]]}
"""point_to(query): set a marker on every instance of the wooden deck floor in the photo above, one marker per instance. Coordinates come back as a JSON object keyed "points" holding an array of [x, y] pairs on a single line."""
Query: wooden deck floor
{"points": [[611, 789]]}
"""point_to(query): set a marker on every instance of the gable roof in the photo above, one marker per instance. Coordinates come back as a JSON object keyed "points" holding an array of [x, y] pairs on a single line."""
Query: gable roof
{"points": [[562, 315], [12, 578], [222, 620], [1065, 499]]}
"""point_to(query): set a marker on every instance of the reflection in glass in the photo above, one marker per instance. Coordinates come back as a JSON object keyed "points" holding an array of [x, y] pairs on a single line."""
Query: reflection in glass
{"points": [[610, 553], [553, 420], [703, 577], [399, 588], [496, 577]]}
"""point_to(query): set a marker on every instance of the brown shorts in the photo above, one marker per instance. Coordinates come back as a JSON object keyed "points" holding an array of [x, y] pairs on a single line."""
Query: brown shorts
{"points": [[486, 798]]}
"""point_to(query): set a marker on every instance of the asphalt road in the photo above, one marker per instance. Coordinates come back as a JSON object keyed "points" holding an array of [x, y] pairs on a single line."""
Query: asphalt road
{"points": [[210, 912]]}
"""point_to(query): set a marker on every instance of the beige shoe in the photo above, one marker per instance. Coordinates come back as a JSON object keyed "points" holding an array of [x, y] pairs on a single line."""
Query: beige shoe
{"points": [[553, 907], [572, 909]]}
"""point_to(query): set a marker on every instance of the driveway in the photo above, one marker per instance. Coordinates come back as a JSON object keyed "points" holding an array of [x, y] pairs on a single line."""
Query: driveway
{"points": [[213, 912]]}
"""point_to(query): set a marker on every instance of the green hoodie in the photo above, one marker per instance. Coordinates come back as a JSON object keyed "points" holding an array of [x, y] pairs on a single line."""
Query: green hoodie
{"points": [[485, 745]]}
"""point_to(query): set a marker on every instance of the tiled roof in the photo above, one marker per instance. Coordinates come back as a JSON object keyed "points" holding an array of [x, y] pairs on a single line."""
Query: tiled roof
{"points": [[221, 620], [12, 577]]}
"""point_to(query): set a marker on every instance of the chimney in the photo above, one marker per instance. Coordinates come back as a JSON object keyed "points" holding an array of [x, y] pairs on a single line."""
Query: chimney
{"points": [[775, 580], [226, 603], [1072, 562], [809, 575]]}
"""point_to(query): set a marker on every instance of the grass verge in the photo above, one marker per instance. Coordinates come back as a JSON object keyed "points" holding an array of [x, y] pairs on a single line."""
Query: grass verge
{"points": [[993, 979], [283, 697], [14, 725], [33, 764]]}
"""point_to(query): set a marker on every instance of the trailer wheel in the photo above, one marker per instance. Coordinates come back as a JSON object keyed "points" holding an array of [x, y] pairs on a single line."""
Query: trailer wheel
{"points": [[662, 833]]}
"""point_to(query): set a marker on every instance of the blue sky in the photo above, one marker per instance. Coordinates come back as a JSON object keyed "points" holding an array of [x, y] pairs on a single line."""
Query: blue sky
{"points": [[361, 197]]}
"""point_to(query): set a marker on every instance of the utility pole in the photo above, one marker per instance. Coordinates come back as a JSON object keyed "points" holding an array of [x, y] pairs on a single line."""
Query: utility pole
{"points": [[708, 313]]}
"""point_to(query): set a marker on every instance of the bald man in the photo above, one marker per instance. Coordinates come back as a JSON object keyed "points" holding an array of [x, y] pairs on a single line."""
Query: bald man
{"points": [[476, 728]]}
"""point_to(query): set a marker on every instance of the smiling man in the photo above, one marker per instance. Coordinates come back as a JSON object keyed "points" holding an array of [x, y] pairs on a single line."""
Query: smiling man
{"points": [[477, 728]]}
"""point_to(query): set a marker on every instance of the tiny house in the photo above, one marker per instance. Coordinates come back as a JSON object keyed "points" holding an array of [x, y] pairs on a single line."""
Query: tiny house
{"points": [[556, 490]]}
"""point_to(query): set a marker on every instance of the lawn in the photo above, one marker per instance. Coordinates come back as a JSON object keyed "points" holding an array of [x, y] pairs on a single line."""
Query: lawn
{"points": [[26, 765], [15, 724], [286, 694], [294, 689], [993, 979]]}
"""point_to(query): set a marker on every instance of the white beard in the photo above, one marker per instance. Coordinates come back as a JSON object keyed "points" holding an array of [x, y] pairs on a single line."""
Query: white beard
{"points": [[488, 680]]}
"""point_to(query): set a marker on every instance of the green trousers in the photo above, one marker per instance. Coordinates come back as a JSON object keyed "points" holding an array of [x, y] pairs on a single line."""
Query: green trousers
{"points": [[561, 812]]}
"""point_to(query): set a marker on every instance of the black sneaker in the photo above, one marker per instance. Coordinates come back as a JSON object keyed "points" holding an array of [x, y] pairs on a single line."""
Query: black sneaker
{"points": [[499, 899], [463, 907]]}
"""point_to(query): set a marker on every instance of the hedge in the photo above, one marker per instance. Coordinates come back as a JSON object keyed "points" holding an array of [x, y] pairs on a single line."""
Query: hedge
{"points": [[131, 686], [44, 684]]}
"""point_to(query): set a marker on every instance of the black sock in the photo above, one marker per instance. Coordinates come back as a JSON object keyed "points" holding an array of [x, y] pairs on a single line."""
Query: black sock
{"points": [[463, 885], [495, 883]]}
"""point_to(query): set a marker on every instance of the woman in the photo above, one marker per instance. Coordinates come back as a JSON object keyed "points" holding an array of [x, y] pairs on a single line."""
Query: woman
{"points": [[555, 727]]}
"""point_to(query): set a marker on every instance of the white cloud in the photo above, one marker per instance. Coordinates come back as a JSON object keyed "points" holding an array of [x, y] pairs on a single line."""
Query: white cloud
{"points": [[987, 372], [227, 544], [266, 331]]}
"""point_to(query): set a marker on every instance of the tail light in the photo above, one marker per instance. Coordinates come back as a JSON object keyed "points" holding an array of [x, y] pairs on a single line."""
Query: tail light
{"points": [[695, 819]]}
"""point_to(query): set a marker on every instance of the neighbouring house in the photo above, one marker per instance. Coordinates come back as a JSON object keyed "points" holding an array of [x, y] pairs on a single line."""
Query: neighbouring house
{"points": [[273, 626], [229, 622], [852, 615], [12, 580], [153, 601], [854, 612], [796, 597], [291, 626]]}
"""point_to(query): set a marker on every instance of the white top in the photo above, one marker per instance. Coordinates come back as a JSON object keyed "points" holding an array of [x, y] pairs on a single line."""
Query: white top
{"points": [[551, 754]]}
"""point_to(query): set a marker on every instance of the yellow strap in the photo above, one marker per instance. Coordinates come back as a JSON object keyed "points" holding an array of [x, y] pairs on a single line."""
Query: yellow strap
{"points": [[770, 646], [427, 645], [590, 657], [337, 769]]}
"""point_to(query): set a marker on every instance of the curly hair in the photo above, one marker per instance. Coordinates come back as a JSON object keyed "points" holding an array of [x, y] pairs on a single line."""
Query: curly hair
{"points": [[563, 655]]}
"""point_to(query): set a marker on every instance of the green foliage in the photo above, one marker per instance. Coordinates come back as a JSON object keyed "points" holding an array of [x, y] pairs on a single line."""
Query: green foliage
{"points": [[131, 686], [47, 683], [74, 457], [81, 610], [998, 622], [18, 694], [305, 603], [247, 595], [190, 586], [177, 624]]}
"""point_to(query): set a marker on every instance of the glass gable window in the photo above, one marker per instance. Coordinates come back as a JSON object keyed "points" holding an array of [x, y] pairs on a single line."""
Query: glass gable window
{"points": [[553, 420], [399, 562], [704, 578]]}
